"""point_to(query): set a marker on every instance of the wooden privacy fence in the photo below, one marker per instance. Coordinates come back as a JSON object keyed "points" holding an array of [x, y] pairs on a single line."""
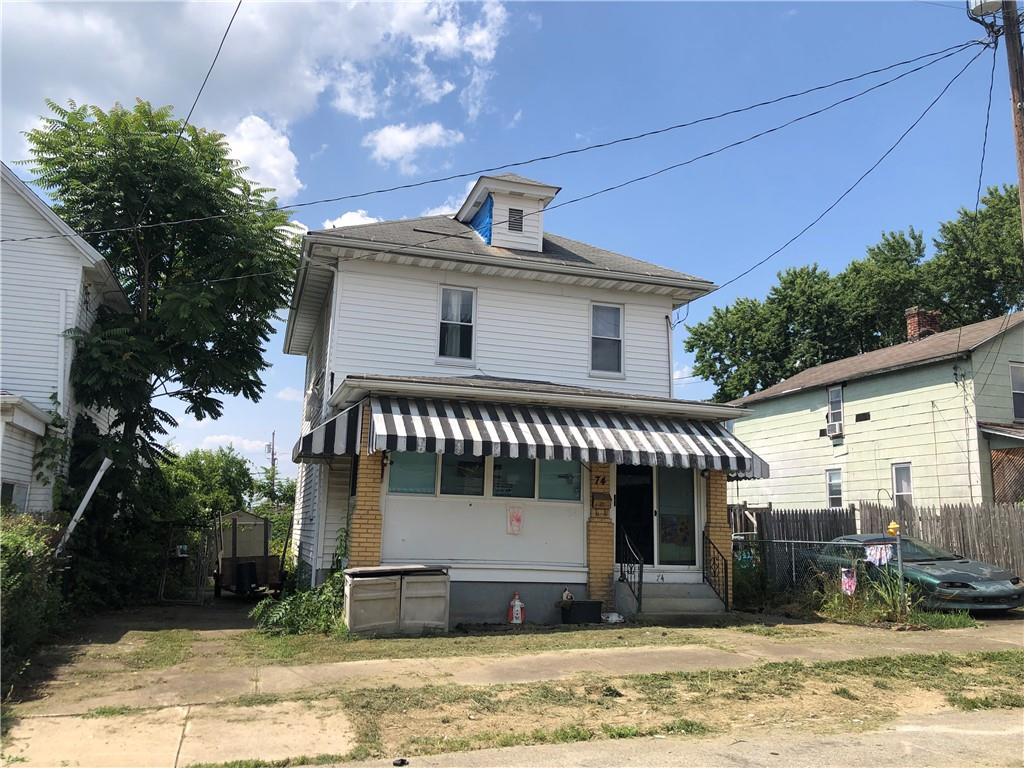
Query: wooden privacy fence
{"points": [[993, 533], [793, 524]]}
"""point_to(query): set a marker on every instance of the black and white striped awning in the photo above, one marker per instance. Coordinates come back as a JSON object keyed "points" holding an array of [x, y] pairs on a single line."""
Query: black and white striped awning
{"points": [[338, 436], [428, 425]]}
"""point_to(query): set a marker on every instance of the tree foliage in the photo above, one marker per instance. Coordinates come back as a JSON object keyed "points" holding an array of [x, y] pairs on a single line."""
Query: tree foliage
{"points": [[202, 294], [810, 317], [207, 484]]}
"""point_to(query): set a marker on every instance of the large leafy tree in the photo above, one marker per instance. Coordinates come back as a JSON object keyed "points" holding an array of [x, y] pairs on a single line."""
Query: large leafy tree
{"points": [[203, 256], [208, 484], [810, 317]]}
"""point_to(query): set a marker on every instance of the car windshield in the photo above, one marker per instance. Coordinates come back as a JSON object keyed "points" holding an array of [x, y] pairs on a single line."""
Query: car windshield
{"points": [[915, 550]]}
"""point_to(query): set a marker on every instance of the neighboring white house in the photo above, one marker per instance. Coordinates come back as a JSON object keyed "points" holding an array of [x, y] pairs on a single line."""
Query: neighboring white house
{"points": [[485, 395], [936, 420], [47, 286]]}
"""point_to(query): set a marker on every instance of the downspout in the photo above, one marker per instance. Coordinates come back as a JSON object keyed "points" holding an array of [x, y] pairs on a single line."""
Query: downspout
{"points": [[671, 367]]}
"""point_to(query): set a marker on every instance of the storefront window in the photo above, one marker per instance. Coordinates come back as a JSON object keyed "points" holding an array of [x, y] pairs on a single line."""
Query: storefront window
{"points": [[462, 475], [513, 478], [559, 480], [412, 472]]}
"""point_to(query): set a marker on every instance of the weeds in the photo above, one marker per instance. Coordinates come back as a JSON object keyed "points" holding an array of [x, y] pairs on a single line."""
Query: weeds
{"points": [[116, 711], [310, 611]]}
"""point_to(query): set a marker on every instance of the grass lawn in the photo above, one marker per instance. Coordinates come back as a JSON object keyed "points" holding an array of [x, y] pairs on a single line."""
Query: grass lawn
{"points": [[827, 697]]}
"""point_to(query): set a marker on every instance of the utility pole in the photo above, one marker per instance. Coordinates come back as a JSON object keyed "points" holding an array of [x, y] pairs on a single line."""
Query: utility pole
{"points": [[1015, 61], [272, 450], [987, 13]]}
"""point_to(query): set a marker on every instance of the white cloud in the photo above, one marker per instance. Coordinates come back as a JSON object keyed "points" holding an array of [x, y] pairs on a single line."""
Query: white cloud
{"points": [[350, 219], [515, 119], [474, 95], [401, 144], [451, 204], [354, 94], [290, 394], [267, 152], [242, 444], [483, 36], [682, 377], [279, 60], [428, 86]]}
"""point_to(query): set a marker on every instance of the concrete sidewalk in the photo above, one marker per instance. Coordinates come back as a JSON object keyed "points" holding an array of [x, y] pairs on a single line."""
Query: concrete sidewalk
{"points": [[943, 740], [171, 687]]}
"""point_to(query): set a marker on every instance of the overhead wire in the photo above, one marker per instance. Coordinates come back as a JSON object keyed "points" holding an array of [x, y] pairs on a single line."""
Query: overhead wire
{"points": [[936, 56]]}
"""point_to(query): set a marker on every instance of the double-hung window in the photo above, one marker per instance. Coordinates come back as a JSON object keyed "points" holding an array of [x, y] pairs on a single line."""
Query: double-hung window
{"points": [[455, 340], [606, 338], [1017, 390], [834, 487], [834, 420], [902, 486]]}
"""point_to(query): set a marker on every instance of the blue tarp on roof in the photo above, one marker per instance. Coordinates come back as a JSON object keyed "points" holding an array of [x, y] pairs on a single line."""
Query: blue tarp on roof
{"points": [[481, 220]]}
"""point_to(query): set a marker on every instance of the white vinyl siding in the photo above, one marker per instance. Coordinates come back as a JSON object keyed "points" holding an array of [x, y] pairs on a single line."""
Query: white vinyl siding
{"points": [[917, 415], [17, 449], [524, 329], [339, 484], [529, 236], [40, 284], [991, 363]]}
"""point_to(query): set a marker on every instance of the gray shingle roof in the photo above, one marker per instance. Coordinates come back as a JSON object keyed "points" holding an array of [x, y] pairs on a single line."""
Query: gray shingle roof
{"points": [[911, 353], [520, 179], [445, 233]]}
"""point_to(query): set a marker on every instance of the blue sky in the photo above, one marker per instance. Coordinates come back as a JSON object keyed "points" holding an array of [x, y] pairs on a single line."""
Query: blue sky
{"points": [[327, 99]]}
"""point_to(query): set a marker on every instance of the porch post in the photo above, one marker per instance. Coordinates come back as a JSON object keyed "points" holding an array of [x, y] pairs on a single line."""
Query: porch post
{"points": [[600, 536], [365, 531], [718, 528]]}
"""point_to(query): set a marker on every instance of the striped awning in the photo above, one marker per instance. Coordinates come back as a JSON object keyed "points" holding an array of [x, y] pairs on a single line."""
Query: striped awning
{"points": [[428, 425], [338, 436]]}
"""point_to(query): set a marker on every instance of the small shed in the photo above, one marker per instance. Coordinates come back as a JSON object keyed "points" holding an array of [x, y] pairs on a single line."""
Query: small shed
{"points": [[245, 563]]}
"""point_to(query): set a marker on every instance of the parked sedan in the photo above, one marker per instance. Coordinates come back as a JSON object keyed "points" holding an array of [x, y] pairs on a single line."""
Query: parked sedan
{"points": [[947, 581]]}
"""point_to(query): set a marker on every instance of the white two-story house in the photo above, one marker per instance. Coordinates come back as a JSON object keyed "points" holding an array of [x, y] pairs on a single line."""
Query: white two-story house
{"points": [[487, 396], [936, 420], [51, 280]]}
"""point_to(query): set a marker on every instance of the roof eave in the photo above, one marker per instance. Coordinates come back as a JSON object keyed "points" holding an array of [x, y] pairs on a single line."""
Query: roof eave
{"points": [[356, 387], [747, 401], [700, 287]]}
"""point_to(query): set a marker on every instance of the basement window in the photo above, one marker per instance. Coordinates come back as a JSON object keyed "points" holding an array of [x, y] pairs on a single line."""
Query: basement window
{"points": [[515, 219]]}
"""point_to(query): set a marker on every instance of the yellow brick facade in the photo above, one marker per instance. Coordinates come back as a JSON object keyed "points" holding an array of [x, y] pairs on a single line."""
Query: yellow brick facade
{"points": [[718, 528], [600, 536], [365, 532]]}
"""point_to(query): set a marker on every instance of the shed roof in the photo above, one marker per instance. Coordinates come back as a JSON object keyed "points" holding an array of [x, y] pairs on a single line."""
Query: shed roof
{"points": [[930, 349]]}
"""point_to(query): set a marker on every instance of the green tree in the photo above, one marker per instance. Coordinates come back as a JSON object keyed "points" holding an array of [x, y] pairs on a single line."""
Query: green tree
{"points": [[202, 294], [977, 272], [209, 483], [809, 317]]}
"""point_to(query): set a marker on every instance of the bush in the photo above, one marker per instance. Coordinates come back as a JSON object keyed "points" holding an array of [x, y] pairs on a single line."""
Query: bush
{"points": [[31, 597], [305, 612]]}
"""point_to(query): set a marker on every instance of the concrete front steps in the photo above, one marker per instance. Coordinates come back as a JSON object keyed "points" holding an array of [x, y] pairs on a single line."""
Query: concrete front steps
{"points": [[663, 600]]}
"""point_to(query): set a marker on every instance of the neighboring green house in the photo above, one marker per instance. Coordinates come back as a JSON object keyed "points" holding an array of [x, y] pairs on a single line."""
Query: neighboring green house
{"points": [[938, 419]]}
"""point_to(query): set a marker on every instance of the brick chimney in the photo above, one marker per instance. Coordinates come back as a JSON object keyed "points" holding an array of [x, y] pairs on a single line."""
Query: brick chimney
{"points": [[921, 323]]}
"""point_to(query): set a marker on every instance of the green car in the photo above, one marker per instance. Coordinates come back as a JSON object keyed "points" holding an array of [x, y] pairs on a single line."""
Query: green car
{"points": [[947, 581]]}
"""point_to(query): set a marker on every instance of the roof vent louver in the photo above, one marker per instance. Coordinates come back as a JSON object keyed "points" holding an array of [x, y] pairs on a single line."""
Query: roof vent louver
{"points": [[515, 219]]}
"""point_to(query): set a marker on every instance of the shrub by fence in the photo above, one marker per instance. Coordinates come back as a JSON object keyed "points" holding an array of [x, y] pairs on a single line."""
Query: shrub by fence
{"points": [[993, 533], [31, 598]]}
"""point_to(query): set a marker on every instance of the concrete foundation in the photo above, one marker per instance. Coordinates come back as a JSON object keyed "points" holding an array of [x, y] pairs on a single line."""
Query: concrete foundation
{"points": [[486, 602]]}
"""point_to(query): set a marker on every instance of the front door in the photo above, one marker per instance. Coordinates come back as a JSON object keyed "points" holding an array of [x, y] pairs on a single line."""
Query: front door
{"points": [[658, 514], [634, 512]]}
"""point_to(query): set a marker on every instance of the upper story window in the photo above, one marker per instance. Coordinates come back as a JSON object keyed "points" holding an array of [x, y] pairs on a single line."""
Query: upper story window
{"points": [[1017, 390], [902, 486], [515, 219], [455, 340], [834, 487], [834, 419], [606, 338]]}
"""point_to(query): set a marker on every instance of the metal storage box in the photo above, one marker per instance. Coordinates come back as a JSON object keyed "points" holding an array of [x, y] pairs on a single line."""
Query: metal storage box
{"points": [[372, 603]]}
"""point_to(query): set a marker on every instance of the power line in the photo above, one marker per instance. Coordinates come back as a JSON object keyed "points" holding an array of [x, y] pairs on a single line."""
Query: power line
{"points": [[944, 53], [855, 184], [665, 169], [188, 117]]}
